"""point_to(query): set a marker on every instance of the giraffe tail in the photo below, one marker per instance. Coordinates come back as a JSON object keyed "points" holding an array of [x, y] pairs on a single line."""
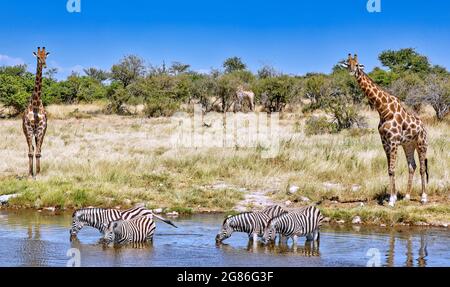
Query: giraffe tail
{"points": [[426, 168]]}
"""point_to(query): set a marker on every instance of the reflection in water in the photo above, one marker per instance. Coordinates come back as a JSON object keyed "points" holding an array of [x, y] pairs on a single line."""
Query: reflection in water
{"points": [[28, 238], [409, 254]]}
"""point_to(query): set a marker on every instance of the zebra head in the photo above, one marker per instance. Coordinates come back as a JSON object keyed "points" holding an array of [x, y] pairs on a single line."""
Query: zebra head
{"points": [[110, 231], [269, 233], [226, 230], [77, 224]]}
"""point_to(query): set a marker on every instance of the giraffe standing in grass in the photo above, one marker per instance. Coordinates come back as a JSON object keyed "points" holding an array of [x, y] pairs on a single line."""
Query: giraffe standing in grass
{"points": [[34, 121], [397, 127]]}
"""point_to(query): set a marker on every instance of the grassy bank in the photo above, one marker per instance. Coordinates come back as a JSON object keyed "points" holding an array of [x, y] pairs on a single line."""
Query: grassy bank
{"points": [[101, 160]]}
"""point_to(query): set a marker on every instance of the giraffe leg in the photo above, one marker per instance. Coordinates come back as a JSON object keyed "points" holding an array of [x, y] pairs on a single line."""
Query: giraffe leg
{"points": [[422, 149], [409, 153], [391, 170], [39, 140], [29, 136]]}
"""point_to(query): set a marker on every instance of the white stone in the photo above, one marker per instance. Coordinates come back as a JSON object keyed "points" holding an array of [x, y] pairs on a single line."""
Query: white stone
{"points": [[356, 220], [51, 209], [340, 221], [288, 202], [356, 187], [5, 198], [305, 199], [361, 204], [383, 225], [158, 210], [173, 213], [293, 189]]}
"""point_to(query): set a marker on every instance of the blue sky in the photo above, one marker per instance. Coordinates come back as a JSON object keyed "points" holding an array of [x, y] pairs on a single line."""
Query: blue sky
{"points": [[294, 36]]}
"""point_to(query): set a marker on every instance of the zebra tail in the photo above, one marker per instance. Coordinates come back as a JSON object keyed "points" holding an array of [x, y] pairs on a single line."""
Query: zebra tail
{"points": [[165, 220]]}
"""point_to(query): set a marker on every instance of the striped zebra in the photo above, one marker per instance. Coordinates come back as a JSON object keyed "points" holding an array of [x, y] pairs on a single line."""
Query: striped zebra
{"points": [[100, 217], [294, 224], [252, 223], [274, 210], [137, 230]]}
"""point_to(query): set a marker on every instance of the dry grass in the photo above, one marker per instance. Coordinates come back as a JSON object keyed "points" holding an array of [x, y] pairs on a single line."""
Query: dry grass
{"points": [[94, 159]]}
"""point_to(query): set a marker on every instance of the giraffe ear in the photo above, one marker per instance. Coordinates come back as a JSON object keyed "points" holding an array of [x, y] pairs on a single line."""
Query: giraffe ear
{"points": [[34, 53], [48, 53], [361, 66]]}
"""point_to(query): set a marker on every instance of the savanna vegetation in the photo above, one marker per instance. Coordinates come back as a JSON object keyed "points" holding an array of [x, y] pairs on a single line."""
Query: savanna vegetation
{"points": [[108, 142]]}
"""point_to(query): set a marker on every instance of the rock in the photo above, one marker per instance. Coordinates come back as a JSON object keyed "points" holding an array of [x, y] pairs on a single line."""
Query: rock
{"points": [[340, 221], [332, 185], [382, 225], [356, 220], [173, 213], [158, 210], [304, 199], [5, 198], [421, 223], [51, 208], [220, 185], [288, 202], [356, 187], [361, 204], [293, 189], [326, 219], [444, 224], [127, 202]]}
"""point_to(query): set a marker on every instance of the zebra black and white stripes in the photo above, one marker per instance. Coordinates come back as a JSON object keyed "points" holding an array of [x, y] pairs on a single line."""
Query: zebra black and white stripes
{"points": [[136, 230], [252, 223], [274, 210], [304, 222], [99, 218]]}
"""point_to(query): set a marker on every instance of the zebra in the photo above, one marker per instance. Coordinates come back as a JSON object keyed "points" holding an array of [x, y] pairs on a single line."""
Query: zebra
{"points": [[99, 217], [274, 210], [252, 223], [136, 230], [294, 224]]}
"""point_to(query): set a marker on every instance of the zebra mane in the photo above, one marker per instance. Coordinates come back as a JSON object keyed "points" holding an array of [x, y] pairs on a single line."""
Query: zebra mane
{"points": [[83, 210], [232, 216]]}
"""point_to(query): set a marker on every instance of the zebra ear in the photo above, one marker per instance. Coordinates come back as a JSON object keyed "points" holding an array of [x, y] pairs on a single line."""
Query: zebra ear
{"points": [[229, 215], [115, 224]]}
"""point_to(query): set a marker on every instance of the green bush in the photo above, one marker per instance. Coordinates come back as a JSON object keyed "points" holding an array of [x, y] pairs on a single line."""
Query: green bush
{"points": [[318, 125], [160, 107]]}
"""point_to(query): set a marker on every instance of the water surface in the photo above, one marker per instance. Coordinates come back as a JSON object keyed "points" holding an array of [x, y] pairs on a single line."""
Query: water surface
{"points": [[30, 238]]}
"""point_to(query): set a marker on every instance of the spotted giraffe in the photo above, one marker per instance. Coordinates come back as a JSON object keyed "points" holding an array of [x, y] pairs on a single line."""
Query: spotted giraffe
{"points": [[397, 127], [34, 121], [242, 95]]}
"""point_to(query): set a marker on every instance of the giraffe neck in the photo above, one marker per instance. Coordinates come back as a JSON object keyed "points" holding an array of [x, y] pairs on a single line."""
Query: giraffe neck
{"points": [[36, 101], [378, 99]]}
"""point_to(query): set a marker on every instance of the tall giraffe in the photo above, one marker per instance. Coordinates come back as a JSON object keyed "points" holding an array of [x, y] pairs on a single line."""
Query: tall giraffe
{"points": [[397, 127], [34, 121]]}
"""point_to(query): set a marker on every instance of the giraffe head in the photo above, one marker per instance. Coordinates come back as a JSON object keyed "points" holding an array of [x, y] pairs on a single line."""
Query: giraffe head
{"points": [[41, 56], [352, 65]]}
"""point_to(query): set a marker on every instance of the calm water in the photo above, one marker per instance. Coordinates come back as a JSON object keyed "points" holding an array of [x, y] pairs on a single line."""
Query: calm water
{"points": [[29, 238]]}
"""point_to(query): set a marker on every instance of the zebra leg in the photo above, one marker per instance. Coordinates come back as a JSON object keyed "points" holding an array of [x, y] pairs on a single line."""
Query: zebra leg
{"points": [[295, 239], [310, 236], [255, 237]]}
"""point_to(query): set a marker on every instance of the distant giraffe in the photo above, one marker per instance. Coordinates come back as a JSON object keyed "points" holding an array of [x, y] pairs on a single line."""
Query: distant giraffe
{"points": [[397, 127], [242, 95], [34, 121]]}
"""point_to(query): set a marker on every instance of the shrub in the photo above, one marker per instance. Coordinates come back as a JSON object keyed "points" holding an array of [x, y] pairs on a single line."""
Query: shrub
{"points": [[318, 125], [160, 107]]}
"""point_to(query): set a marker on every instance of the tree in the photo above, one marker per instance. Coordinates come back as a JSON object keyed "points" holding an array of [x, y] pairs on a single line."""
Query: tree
{"points": [[178, 68], [382, 77], [128, 70], [437, 94], [97, 74], [50, 73], [18, 70], [276, 92], [317, 87], [267, 72], [404, 60], [233, 64]]}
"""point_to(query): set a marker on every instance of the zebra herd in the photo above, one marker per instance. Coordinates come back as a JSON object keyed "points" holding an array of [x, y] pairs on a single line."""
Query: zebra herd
{"points": [[273, 220], [136, 225]]}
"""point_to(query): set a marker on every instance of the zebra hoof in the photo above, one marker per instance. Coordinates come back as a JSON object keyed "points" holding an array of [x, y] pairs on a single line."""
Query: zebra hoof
{"points": [[407, 197], [424, 199]]}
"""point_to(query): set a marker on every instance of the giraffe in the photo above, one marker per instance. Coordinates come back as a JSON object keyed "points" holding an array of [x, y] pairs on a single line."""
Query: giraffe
{"points": [[242, 94], [397, 127], [34, 121]]}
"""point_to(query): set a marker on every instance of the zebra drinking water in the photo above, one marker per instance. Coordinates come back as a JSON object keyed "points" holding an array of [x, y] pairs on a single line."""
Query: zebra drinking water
{"points": [[100, 217], [303, 222], [252, 223], [136, 230]]}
